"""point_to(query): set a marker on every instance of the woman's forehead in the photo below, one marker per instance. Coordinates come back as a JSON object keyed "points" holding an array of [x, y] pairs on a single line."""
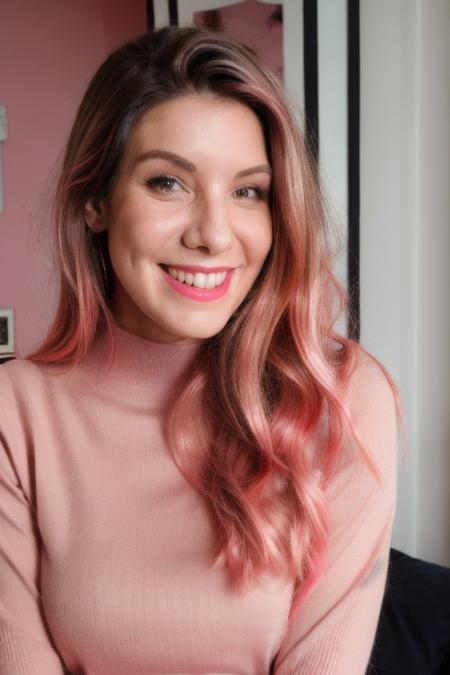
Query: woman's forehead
{"points": [[199, 125]]}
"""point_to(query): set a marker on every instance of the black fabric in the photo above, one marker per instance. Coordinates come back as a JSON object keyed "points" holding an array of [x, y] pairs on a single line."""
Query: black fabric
{"points": [[413, 635]]}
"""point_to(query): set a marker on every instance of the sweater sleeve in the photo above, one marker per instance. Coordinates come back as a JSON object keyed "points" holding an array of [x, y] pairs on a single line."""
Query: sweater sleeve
{"points": [[25, 644], [334, 630]]}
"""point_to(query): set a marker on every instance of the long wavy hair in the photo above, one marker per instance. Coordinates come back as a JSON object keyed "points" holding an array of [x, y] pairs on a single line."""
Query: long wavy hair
{"points": [[276, 370]]}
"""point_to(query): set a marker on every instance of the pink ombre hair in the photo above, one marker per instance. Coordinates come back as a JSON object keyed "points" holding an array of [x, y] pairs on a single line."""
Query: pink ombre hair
{"points": [[273, 378]]}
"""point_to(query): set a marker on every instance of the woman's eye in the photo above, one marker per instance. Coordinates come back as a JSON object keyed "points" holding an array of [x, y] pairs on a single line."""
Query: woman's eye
{"points": [[252, 192], [165, 184]]}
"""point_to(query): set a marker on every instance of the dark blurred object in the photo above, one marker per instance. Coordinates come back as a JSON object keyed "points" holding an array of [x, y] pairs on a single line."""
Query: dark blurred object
{"points": [[6, 357], [413, 634]]}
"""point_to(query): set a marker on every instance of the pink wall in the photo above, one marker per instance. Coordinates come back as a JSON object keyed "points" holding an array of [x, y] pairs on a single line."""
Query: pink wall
{"points": [[48, 52]]}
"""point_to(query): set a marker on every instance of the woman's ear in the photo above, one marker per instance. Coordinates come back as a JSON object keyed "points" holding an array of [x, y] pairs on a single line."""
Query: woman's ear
{"points": [[94, 217]]}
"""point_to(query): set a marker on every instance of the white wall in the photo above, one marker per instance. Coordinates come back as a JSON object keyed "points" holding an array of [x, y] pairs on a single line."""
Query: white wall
{"points": [[405, 245], [333, 112], [433, 326]]}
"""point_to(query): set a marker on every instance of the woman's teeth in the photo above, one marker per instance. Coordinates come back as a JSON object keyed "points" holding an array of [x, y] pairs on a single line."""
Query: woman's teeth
{"points": [[199, 279]]}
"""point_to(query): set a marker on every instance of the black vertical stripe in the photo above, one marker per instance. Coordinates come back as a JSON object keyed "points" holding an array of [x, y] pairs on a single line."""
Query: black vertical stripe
{"points": [[150, 15], [173, 12], [310, 65], [353, 93]]}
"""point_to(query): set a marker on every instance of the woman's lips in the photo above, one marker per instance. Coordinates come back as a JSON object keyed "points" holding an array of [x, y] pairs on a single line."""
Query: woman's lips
{"points": [[199, 294]]}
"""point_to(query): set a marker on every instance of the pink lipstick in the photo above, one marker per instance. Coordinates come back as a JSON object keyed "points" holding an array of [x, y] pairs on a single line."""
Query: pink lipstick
{"points": [[199, 294]]}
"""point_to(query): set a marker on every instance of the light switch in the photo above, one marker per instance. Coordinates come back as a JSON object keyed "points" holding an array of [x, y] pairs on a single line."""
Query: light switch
{"points": [[3, 124]]}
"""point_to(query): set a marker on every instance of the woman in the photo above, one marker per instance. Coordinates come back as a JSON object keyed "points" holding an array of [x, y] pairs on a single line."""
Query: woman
{"points": [[198, 473]]}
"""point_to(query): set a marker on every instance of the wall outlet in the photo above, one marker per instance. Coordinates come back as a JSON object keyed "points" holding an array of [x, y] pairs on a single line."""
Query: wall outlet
{"points": [[6, 331]]}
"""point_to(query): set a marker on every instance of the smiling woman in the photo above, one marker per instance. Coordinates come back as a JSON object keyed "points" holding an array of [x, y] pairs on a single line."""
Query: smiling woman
{"points": [[197, 472], [191, 195]]}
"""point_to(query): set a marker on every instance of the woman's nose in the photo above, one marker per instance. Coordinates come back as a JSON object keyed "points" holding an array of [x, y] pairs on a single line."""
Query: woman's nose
{"points": [[209, 227]]}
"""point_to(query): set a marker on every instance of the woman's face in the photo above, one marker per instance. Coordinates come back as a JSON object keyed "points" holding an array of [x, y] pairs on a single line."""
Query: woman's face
{"points": [[191, 192]]}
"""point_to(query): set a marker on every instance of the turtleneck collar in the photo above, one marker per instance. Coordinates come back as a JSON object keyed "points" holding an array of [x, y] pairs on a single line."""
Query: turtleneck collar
{"points": [[139, 361]]}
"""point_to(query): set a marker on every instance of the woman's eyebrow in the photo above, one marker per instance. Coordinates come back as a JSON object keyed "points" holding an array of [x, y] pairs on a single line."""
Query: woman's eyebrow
{"points": [[170, 156], [189, 166], [261, 168]]}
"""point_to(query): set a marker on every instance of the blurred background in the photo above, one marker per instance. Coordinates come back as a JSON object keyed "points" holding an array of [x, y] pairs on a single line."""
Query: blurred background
{"points": [[379, 107]]}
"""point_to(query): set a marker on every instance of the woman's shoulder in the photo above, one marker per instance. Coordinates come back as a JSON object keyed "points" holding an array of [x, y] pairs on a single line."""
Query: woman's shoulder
{"points": [[19, 382], [29, 395], [22, 374], [18, 367], [16, 373], [370, 390], [24, 387], [374, 405]]}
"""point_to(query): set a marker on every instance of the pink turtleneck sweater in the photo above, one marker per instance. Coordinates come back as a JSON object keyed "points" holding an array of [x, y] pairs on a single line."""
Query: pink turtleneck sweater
{"points": [[105, 549]]}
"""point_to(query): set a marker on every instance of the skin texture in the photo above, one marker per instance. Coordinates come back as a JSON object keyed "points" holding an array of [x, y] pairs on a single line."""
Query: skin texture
{"points": [[202, 215]]}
